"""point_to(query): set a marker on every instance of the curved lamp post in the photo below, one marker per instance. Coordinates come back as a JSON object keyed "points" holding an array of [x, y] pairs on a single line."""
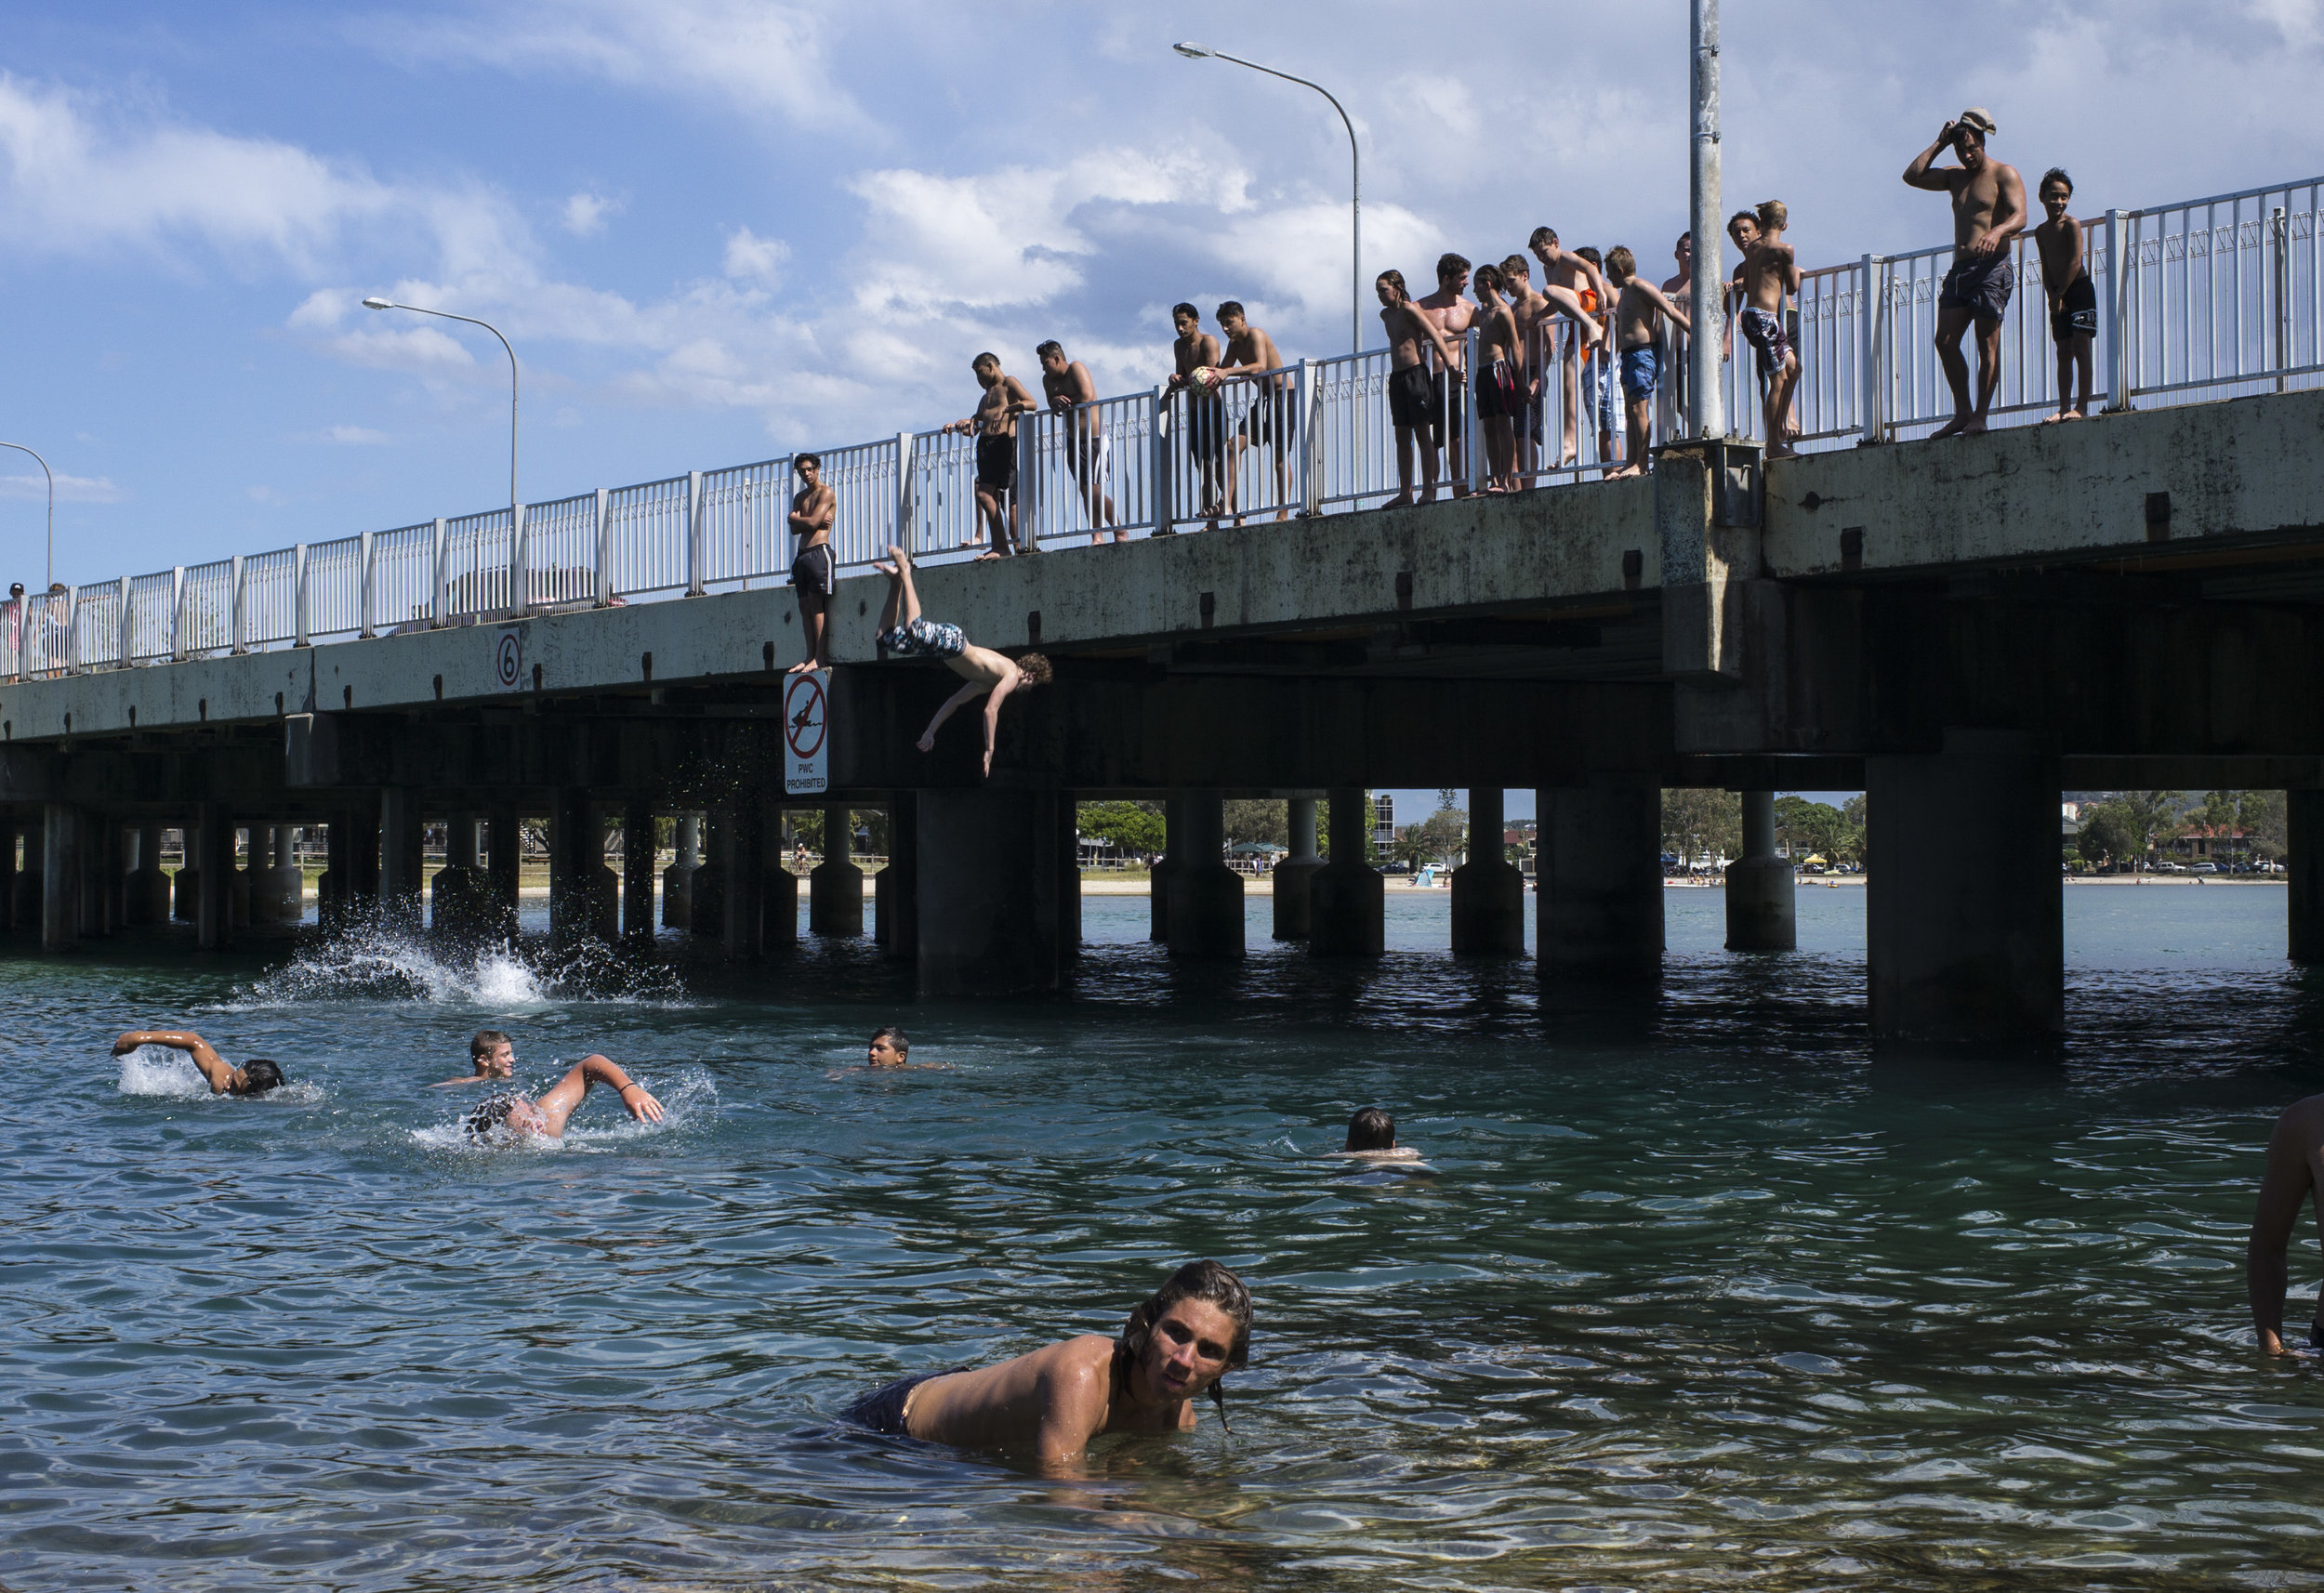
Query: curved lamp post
{"points": [[378, 303], [52, 506], [1356, 165]]}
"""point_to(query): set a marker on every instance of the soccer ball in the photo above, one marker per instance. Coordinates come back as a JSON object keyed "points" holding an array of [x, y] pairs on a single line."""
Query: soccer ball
{"points": [[1202, 376]]}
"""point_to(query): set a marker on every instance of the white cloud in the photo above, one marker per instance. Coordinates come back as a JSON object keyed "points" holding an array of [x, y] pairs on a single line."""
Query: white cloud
{"points": [[354, 435], [585, 214], [752, 258], [70, 488]]}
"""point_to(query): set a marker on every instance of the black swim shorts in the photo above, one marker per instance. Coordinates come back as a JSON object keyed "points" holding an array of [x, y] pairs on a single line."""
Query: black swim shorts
{"points": [[817, 569], [1979, 284], [2077, 314], [1206, 425], [997, 463], [882, 1409], [1409, 397], [1450, 401], [1271, 418]]}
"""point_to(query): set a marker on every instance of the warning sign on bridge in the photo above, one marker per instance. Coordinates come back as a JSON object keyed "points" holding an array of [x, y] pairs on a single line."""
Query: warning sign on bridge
{"points": [[806, 735]]}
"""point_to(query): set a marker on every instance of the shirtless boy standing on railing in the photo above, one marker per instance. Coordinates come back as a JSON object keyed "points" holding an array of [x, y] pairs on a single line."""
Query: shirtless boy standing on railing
{"points": [[1071, 392], [1272, 420]]}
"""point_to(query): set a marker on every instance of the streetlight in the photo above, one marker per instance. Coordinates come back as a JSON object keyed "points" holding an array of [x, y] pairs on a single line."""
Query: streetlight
{"points": [[1356, 200], [1706, 405], [378, 303], [52, 506]]}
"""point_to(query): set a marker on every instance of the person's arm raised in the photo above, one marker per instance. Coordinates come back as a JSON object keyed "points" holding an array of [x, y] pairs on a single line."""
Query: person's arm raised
{"points": [[607, 1071], [2283, 1189], [1918, 174], [215, 1072]]}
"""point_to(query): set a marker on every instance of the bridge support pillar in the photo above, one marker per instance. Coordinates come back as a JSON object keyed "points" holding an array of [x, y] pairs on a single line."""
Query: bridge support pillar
{"points": [[504, 869], [741, 833], [238, 878], [185, 901], [1068, 880], [988, 920], [1205, 911], [147, 900], [400, 870], [709, 881], [277, 893], [1294, 875], [835, 890], [778, 891], [1347, 898], [1489, 891], [60, 878], [460, 896], [678, 879], [94, 883], [1964, 910], [1158, 876], [583, 899], [1762, 893], [28, 912], [7, 873], [213, 860], [896, 889], [638, 853], [1598, 879], [2304, 856]]}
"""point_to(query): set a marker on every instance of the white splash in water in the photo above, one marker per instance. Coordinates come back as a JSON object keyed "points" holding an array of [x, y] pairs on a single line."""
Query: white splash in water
{"points": [[693, 1100], [373, 962], [169, 1072]]}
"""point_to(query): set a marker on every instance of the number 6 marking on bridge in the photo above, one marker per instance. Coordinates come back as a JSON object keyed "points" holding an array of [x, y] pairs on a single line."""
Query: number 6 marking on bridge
{"points": [[508, 660]]}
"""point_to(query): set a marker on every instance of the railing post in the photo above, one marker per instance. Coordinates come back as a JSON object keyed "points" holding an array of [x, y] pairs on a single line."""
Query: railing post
{"points": [[905, 486], [178, 612], [520, 565], [363, 588], [1870, 300], [604, 548], [2279, 227], [72, 630], [2121, 242], [302, 623], [1310, 412], [237, 644], [695, 585], [1028, 497], [1158, 438], [1469, 448], [121, 607], [24, 636], [438, 597]]}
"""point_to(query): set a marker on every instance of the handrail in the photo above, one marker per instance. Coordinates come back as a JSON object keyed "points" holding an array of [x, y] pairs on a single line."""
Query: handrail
{"points": [[2198, 300]]}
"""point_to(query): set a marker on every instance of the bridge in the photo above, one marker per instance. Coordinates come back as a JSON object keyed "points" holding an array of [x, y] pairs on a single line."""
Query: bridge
{"points": [[1960, 628]]}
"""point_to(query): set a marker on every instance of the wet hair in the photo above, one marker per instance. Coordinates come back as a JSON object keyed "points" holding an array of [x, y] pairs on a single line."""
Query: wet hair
{"points": [[1205, 1281], [259, 1075], [1371, 1130], [1541, 235], [1035, 668], [1230, 310], [1394, 280], [894, 1036], [1517, 268], [1051, 347], [1490, 276], [488, 1040], [1620, 264], [491, 1114], [1188, 311], [1772, 215], [987, 358], [2056, 174], [1450, 264], [805, 459]]}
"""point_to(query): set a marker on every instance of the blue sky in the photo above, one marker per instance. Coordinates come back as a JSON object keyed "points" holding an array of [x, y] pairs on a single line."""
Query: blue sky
{"points": [[716, 230]]}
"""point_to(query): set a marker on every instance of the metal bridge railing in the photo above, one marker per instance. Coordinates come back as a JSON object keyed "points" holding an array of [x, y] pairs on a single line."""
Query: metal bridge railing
{"points": [[2200, 300]]}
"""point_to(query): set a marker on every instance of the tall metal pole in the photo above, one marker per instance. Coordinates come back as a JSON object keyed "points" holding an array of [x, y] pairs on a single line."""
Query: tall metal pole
{"points": [[447, 315], [52, 506], [1355, 197], [1705, 405]]}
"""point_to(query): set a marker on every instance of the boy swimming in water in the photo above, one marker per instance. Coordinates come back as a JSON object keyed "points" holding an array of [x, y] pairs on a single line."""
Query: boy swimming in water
{"points": [[491, 1055], [1174, 1348], [545, 1118], [254, 1078], [905, 633], [1372, 1135]]}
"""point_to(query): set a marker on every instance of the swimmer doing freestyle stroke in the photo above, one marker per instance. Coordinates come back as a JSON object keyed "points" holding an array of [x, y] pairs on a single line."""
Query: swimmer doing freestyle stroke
{"points": [[1174, 1348], [527, 1118], [904, 632], [254, 1078]]}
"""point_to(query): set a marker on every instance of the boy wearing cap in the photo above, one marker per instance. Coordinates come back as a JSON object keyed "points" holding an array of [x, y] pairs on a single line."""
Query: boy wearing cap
{"points": [[1988, 210]]}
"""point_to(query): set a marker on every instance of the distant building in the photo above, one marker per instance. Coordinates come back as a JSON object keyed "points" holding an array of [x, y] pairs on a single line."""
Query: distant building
{"points": [[1384, 820]]}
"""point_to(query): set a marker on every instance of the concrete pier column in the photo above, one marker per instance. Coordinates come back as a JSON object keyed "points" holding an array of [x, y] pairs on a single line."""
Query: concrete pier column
{"points": [[459, 896], [583, 899], [1347, 898], [60, 878], [1964, 917], [1761, 889], [896, 889], [238, 878], [1489, 891], [1294, 875], [1205, 911], [92, 883], [31, 878], [637, 855], [330, 883], [1159, 879], [835, 890], [678, 879], [778, 891], [504, 868], [742, 833], [1068, 878], [7, 873], [146, 897], [2303, 858], [275, 888], [111, 873], [989, 891], [1598, 879], [363, 859], [400, 863], [185, 897], [710, 882], [213, 854]]}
